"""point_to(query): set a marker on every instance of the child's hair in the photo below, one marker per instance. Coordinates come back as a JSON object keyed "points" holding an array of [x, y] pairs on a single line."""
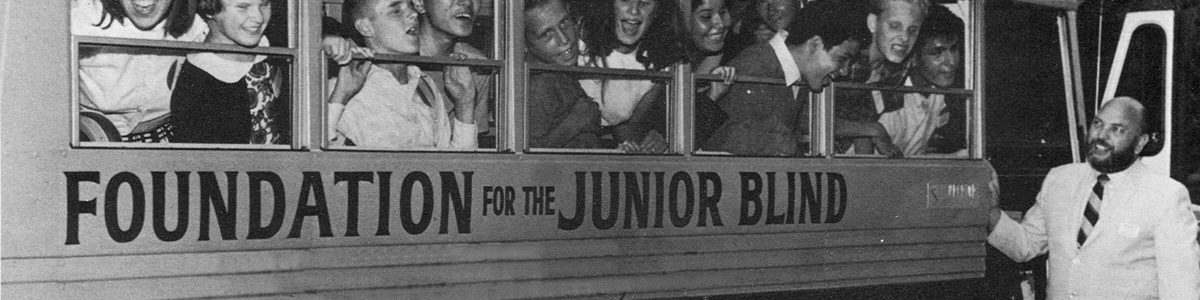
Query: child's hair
{"points": [[532, 4], [352, 10], [599, 27], [673, 43], [208, 8], [834, 21], [178, 20], [941, 23], [877, 6]]}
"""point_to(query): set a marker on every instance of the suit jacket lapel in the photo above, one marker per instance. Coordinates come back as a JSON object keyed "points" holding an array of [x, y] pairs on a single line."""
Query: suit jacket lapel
{"points": [[1116, 195]]}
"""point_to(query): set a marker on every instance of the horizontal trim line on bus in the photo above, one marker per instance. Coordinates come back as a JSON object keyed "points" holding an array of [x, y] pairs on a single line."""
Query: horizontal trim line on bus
{"points": [[831, 265], [550, 154], [810, 285], [982, 238], [413, 150], [793, 288], [965, 244], [641, 74], [432, 60], [121, 145], [903, 89], [678, 268], [740, 79], [179, 46], [590, 151], [904, 252], [786, 268]]}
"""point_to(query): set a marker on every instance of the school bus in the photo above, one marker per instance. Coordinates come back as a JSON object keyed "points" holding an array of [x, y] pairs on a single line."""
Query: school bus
{"points": [[85, 218]]}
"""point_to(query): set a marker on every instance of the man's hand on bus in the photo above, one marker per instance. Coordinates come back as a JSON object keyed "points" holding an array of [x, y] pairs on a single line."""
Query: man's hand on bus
{"points": [[993, 218], [995, 214]]}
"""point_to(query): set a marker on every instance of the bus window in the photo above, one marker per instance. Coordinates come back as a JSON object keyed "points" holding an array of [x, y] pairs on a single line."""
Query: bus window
{"points": [[212, 76], [431, 83], [927, 121], [590, 85]]}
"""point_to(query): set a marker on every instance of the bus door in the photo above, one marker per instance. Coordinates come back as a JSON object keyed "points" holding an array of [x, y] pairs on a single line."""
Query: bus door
{"points": [[1143, 68]]}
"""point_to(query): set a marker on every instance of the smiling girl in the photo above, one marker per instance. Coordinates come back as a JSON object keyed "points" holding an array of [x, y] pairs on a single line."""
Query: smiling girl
{"points": [[131, 90], [231, 97], [699, 39], [612, 37]]}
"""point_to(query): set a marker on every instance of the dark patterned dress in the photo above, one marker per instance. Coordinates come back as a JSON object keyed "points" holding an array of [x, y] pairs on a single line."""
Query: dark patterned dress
{"points": [[248, 111], [265, 114]]}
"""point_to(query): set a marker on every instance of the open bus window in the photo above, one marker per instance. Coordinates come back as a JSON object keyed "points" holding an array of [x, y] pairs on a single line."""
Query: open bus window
{"points": [[589, 84], [213, 75], [916, 123], [560, 112], [928, 118], [431, 84]]}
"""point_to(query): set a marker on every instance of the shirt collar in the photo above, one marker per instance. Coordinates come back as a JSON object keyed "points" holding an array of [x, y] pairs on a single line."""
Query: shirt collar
{"points": [[225, 70], [1117, 176], [791, 73]]}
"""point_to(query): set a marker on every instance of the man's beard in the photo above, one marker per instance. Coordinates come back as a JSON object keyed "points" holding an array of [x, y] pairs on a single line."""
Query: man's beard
{"points": [[1118, 160]]}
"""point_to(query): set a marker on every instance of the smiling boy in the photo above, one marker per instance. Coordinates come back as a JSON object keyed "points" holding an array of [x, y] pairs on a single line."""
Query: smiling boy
{"points": [[560, 114], [772, 119], [894, 25], [446, 23], [395, 105]]}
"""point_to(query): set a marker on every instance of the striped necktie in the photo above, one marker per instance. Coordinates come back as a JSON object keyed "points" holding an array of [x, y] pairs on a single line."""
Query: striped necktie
{"points": [[1091, 213]]}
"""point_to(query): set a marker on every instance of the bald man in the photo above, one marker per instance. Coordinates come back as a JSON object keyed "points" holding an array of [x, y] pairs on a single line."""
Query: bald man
{"points": [[1114, 228]]}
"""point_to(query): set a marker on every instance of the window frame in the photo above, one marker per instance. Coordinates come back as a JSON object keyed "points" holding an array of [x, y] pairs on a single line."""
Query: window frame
{"points": [[309, 80], [827, 101], [609, 73], [294, 50], [502, 145]]}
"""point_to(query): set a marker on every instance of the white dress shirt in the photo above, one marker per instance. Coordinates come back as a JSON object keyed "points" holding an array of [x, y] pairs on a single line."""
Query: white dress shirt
{"points": [[386, 114]]}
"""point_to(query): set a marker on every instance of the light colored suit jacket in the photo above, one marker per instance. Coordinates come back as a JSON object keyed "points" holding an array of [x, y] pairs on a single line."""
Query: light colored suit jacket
{"points": [[1143, 246]]}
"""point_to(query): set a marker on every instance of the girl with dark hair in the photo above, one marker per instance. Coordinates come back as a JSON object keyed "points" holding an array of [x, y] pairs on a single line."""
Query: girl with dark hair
{"points": [[177, 17], [132, 90], [699, 39], [230, 98], [613, 35]]}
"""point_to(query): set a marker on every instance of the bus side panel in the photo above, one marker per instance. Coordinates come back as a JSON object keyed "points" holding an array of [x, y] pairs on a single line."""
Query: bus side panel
{"points": [[723, 225], [108, 223]]}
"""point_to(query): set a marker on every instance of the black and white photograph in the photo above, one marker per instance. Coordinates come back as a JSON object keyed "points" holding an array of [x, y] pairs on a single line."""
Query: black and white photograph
{"points": [[600, 149]]}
